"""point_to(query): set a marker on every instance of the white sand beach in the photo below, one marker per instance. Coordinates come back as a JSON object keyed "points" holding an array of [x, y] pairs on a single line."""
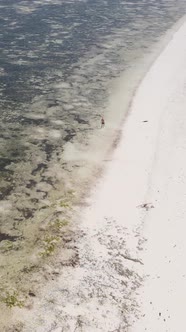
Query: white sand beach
{"points": [[131, 270]]}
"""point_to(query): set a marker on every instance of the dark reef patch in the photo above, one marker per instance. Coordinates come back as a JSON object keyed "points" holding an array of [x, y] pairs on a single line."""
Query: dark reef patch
{"points": [[4, 162], [4, 236], [40, 167], [5, 191], [80, 120], [70, 135]]}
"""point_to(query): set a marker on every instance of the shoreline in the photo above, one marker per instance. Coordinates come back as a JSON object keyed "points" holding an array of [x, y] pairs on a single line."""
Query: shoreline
{"points": [[90, 166], [96, 246]]}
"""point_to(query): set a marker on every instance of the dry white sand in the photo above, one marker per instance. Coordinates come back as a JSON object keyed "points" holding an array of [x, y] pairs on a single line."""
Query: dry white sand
{"points": [[121, 241], [163, 295]]}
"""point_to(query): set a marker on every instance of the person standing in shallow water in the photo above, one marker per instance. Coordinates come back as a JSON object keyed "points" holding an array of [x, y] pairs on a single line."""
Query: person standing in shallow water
{"points": [[102, 122]]}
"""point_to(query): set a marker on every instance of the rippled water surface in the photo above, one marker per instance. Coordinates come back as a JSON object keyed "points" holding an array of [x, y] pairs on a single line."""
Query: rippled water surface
{"points": [[58, 61]]}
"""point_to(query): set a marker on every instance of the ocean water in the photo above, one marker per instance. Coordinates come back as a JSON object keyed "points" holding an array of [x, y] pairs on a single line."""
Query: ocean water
{"points": [[60, 64]]}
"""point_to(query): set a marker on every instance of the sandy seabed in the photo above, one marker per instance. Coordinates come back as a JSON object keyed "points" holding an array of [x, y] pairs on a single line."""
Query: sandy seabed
{"points": [[130, 274]]}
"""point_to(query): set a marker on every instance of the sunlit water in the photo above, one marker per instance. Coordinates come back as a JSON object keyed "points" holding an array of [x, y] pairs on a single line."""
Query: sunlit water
{"points": [[59, 61]]}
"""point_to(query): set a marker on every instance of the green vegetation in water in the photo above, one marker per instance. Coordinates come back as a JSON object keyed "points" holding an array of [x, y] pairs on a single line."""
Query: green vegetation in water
{"points": [[71, 192], [67, 199], [7, 245], [12, 300], [65, 204], [29, 268], [49, 244], [57, 224]]}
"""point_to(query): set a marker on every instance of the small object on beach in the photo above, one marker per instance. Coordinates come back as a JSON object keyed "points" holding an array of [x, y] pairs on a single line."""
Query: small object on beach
{"points": [[145, 121], [146, 206], [31, 293], [102, 122]]}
